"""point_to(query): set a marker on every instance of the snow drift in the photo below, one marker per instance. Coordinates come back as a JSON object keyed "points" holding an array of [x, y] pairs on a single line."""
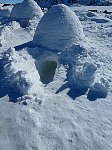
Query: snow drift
{"points": [[59, 28]]}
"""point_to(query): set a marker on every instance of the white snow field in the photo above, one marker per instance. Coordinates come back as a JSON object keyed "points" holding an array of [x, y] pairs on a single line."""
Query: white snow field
{"points": [[56, 80]]}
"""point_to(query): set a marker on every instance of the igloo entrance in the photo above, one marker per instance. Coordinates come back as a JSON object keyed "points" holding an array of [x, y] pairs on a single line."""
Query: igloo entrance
{"points": [[47, 71]]}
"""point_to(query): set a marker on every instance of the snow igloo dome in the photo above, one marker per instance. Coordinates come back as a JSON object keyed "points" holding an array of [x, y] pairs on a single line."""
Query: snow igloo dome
{"points": [[58, 29], [26, 10]]}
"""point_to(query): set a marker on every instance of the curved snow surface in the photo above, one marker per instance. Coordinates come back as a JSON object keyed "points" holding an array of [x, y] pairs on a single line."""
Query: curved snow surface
{"points": [[26, 10], [59, 28]]}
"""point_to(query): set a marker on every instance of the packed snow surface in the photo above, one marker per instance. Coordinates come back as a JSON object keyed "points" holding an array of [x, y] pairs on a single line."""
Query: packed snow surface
{"points": [[58, 29], [55, 96]]}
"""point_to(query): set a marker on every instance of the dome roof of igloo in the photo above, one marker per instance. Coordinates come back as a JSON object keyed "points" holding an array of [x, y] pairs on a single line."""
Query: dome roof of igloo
{"points": [[59, 28], [26, 10]]}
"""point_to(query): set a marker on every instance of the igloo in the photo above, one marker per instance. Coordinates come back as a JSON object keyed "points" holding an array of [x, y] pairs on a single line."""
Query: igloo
{"points": [[58, 29], [26, 10]]}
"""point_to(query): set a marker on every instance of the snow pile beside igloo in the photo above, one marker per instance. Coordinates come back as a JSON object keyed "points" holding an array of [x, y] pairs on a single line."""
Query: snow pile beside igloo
{"points": [[59, 28], [98, 90], [82, 73], [26, 10], [21, 72]]}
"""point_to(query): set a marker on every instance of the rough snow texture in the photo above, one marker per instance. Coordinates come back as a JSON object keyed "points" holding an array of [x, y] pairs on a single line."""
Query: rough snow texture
{"points": [[21, 72], [64, 119], [81, 71], [26, 10], [58, 29], [95, 2], [11, 31], [82, 75]]}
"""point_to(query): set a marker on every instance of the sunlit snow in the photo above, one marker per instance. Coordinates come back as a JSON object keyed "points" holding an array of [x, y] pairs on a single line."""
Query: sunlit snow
{"points": [[56, 77]]}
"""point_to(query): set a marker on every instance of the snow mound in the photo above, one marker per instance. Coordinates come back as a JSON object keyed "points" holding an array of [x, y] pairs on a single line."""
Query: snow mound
{"points": [[21, 72], [82, 76], [59, 28], [81, 71], [26, 10]]}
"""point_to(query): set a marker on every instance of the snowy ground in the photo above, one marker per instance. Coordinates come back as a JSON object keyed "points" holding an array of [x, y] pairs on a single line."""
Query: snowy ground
{"points": [[98, 8], [61, 121]]}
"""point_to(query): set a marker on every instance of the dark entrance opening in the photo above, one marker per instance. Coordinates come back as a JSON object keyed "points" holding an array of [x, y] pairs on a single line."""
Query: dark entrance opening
{"points": [[47, 71]]}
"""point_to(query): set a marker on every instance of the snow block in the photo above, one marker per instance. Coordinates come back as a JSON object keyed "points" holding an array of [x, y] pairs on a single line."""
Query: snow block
{"points": [[81, 77], [58, 29], [98, 90]]}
